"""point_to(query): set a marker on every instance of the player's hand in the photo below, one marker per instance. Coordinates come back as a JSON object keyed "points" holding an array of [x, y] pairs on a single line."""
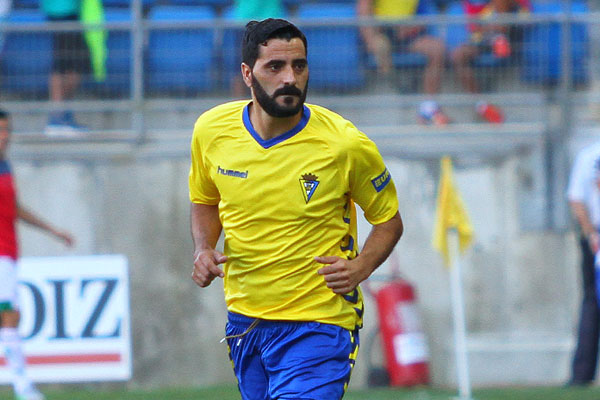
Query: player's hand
{"points": [[341, 275], [594, 241], [206, 266], [64, 237]]}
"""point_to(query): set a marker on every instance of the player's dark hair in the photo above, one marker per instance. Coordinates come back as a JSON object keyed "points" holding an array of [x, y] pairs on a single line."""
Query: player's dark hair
{"points": [[258, 32], [4, 114]]}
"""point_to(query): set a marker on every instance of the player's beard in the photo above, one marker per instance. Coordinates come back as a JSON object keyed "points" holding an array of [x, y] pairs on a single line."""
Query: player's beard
{"points": [[269, 103]]}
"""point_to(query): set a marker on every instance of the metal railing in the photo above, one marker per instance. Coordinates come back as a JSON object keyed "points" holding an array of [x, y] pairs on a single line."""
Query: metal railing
{"points": [[163, 73], [135, 87]]}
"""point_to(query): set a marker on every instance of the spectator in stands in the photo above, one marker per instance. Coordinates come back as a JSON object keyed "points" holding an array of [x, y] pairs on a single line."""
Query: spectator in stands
{"points": [[584, 198], [71, 60], [258, 9], [484, 38], [382, 42], [10, 211]]}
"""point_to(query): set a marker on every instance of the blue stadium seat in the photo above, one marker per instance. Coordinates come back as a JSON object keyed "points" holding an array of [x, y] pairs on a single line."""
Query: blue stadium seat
{"points": [[27, 56], [211, 3], [123, 3], [180, 60], [118, 60], [231, 49], [542, 45], [333, 52], [18, 4]]}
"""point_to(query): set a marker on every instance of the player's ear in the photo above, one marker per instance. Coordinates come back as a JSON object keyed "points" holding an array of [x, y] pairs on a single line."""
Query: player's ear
{"points": [[247, 74]]}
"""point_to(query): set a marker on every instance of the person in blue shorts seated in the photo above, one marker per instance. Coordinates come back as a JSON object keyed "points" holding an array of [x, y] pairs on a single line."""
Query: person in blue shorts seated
{"points": [[383, 41], [488, 38], [281, 178]]}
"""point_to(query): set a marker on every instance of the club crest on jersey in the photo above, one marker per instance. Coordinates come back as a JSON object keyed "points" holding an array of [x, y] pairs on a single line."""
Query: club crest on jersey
{"points": [[309, 184]]}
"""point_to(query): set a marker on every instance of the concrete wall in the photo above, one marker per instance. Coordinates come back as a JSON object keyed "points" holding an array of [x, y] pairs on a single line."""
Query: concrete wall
{"points": [[521, 289]]}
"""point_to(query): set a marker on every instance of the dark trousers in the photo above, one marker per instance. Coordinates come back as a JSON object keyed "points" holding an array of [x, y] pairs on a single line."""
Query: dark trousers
{"points": [[586, 353]]}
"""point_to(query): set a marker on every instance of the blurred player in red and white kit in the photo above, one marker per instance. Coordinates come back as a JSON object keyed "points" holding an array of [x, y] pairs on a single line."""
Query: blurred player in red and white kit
{"points": [[484, 38], [10, 211]]}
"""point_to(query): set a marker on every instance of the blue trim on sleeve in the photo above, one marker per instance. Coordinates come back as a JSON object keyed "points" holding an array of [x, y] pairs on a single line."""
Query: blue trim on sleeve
{"points": [[4, 167], [277, 139]]}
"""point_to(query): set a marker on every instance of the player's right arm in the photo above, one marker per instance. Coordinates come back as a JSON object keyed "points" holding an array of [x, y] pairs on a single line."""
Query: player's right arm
{"points": [[206, 228], [581, 181], [588, 230], [204, 214]]}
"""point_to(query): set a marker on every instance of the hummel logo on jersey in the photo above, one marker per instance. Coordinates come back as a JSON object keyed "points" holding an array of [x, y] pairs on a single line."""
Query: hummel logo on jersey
{"points": [[232, 172], [309, 184]]}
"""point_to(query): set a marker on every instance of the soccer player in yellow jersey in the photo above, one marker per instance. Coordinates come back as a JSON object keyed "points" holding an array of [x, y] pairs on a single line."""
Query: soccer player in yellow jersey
{"points": [[280, 178]]}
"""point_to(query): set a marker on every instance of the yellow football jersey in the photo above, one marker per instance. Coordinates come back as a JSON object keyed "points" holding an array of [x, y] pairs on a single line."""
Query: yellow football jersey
{"points": [[284, 201]]}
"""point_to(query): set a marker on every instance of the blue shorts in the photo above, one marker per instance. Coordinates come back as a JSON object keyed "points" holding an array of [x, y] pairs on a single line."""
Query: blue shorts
{"points": [[280, 360]]}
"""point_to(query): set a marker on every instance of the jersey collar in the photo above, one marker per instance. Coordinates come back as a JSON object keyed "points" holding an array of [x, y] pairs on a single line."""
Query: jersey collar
{"points": [[277, 139]]}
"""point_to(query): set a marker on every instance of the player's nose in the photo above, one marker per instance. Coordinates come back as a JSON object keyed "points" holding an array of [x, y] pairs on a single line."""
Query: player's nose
{"points": [[288, 76]]}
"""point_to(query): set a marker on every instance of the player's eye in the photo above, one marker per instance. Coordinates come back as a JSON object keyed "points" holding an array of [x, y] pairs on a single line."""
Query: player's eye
{"points": [[300, 66], [274, 66]]}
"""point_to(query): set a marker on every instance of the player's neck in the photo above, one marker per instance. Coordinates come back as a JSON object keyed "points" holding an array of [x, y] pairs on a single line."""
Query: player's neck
{"points": [[268, 126]]}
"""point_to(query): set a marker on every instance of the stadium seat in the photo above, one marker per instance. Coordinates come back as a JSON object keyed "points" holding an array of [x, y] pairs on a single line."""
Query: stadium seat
{"points": [[180, 60], [125, 3], [118, 60], [333, 51], [27, 56], [231, 56], [542, 44], [19, 4]]}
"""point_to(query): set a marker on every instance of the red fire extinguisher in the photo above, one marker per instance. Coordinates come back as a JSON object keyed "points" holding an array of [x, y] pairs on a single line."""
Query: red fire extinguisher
{"points": [[404, 342]]}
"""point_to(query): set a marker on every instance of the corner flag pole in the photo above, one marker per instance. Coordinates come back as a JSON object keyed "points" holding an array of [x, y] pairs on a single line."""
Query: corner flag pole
{"points": [[458, 314], [452, 234]]}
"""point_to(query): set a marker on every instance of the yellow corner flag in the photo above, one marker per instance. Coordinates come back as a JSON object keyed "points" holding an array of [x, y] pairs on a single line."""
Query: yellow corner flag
{"points": [[450, 214]]}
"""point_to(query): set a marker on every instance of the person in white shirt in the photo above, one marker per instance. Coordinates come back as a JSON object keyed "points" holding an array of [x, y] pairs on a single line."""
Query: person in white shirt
{"points": [[584, 199]]}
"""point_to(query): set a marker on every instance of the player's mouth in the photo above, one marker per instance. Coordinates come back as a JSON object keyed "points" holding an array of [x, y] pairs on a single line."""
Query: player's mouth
{"points": [[289, 99]]}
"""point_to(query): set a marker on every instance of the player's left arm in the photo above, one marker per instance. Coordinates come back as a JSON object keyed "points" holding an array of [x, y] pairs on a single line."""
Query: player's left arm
{"points": [[28, 217], [343, 276]]}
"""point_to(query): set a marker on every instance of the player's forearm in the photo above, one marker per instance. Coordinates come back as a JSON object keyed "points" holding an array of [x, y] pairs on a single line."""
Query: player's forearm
{"points": [[380, 243], [31, 219], [580, 213], [205, 225]]}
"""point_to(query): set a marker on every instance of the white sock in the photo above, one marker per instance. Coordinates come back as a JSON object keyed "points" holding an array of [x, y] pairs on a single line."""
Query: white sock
{"points": [[11, 341]]}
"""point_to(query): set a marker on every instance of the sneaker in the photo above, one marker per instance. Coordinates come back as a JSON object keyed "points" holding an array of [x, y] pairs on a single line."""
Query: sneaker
{"points": [[30, 393], [489, 112], [64, 125], [430, 113]]}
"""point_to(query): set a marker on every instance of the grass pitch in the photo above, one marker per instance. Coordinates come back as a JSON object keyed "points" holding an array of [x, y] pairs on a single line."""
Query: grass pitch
{"points": [[229, 392]]}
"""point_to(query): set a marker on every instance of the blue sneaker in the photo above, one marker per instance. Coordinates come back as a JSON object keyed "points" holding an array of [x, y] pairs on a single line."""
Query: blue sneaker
{"points": [[430, 113], [64, 124]]}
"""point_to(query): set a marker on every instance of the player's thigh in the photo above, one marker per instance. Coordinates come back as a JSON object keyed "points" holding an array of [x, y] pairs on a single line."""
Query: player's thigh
{"points": [[247, 364], [312, 362], [8, 289]]}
